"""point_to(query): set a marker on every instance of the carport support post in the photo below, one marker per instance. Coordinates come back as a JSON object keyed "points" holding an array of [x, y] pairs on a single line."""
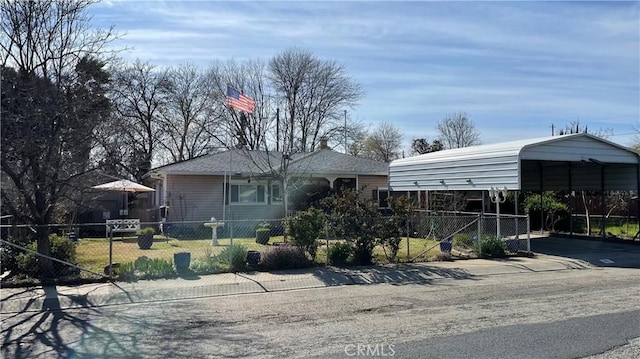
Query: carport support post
{"points": [[637, 198], [570, 200], [604, 203], [541, 200]]}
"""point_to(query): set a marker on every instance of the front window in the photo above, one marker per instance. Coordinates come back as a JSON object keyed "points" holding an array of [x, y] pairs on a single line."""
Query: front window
{"points": [[276, 193], [381, 195], [247, 193]]}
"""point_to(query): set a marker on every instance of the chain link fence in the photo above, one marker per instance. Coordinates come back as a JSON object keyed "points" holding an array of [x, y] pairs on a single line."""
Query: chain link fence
{"points": [[102, 250]]}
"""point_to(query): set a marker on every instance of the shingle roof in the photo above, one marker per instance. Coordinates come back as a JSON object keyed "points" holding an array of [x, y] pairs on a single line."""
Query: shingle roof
{"points": [[260, 162], [327, 161]]}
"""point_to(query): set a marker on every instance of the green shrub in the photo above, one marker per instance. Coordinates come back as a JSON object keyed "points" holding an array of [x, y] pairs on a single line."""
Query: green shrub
{"points": [[145, 268], [492, 247], [391, 229], [353, 217], [207, 264], [125, 272], [305, 229], [235, 257], [153, 268], [464, 240], [339, 253], [61, 248], [284, 257]]}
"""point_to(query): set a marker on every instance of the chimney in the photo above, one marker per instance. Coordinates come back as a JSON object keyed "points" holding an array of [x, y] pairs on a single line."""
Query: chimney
{"points": [[323, 144]]}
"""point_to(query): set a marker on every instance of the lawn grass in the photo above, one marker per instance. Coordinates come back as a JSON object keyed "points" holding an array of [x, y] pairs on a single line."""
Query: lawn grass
{"points": [[625, 229], [93, 254]]}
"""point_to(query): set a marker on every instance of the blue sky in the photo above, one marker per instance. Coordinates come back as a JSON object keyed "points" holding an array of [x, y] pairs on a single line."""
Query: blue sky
{"points": [[515, 67]]}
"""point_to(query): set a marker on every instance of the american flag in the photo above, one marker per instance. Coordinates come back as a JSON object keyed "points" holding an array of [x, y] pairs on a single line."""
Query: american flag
{"points": [[239, 101]]}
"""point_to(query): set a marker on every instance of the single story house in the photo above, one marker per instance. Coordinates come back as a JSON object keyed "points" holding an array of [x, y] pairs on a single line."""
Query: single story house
{"points": [[241, 184]]}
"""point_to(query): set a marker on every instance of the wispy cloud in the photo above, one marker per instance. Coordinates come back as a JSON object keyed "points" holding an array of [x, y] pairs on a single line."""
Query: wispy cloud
{"points": [[510, 65]]}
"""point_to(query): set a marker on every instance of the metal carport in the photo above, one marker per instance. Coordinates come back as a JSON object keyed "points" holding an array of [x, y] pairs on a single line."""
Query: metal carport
{"points": [[569, 162]]}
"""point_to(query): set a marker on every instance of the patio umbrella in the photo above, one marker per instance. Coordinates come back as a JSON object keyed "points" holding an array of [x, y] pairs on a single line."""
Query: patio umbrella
{"points": [[123, 185]]}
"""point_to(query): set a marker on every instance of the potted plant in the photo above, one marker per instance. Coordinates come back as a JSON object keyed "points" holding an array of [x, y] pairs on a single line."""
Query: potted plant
{"points": [[513, 245], [263, 234], [445, 245], [145, 237], [182, 260]]}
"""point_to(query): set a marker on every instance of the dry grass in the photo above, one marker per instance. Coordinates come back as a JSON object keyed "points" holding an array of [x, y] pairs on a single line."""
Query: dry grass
{"points": [[93, 254]]}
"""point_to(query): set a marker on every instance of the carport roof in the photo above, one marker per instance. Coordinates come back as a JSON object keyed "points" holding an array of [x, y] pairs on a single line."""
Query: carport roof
{"points": [[558, 162]]}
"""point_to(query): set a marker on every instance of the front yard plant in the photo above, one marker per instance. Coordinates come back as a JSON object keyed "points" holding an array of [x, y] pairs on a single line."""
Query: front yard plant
{"points": [[61, 248], [353, 218], [339, 253], [305, 228], [284, 257], [394, 227], [235, 257]]}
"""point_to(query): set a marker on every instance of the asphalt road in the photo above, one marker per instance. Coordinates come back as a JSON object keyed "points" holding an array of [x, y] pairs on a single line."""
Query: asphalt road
{"points": [[572, 338], [564, 312], [597, 252]]}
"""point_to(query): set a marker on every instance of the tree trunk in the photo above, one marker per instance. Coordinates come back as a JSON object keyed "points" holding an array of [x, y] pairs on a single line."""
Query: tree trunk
{"points": [[45, 264]]}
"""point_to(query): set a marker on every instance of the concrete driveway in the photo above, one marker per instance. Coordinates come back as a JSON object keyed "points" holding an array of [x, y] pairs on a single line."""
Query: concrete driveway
{"points": [[601, 253]]}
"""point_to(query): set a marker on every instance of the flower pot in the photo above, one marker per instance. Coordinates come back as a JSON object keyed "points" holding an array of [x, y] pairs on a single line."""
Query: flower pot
{"points": [[513, 245], [445, 246], [253, 258], [182, 260], [262, 237], [145, 241]]}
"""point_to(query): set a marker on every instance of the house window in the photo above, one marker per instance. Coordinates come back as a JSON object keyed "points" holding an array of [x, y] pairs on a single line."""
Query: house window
{"points": [[247, 193], [276, 193], [381, 196]]}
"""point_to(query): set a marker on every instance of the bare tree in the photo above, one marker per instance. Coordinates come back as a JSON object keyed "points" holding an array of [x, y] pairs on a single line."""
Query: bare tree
{"points": [[187, 116], [250, 131], [314, 94], [384, 143], [457, 131], [53, 86], [576, 127], [139, 92], [46, 38]]}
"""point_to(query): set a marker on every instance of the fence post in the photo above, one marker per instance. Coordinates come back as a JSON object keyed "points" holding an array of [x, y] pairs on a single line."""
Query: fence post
{"points": [[528, 234], [110, 226], [326, 236], [480, 223], [230, 229], [408, 251]]}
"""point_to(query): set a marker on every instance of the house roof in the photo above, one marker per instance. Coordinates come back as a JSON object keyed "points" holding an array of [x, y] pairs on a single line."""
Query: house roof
{"points": [[323, 161], [559, 162], [327, 161]]}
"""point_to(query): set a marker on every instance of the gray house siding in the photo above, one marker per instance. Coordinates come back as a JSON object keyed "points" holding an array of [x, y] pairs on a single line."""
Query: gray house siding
{"points": [[194, 198], [371, 183]]}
